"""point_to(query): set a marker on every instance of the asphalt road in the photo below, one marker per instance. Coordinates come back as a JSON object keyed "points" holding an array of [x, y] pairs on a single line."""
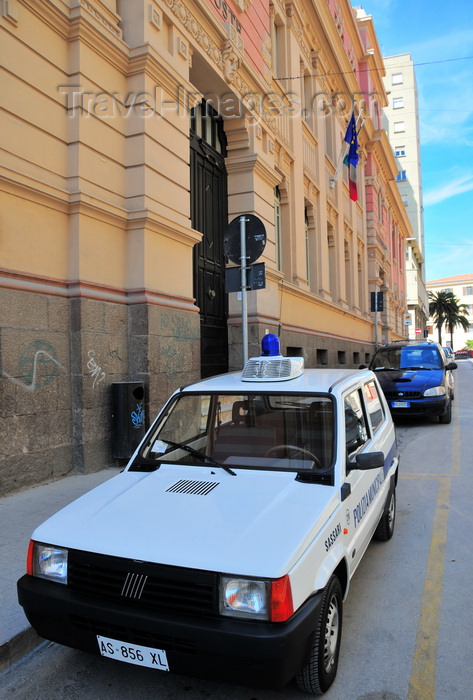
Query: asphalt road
{"points": [[408, 616]]}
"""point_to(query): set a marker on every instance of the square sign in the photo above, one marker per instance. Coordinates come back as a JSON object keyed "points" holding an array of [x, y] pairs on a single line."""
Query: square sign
{"points": [[255, 278]]}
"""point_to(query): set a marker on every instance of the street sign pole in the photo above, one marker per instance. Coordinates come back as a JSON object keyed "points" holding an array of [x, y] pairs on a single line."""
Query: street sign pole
{"points": [[376, 318], [244, 308], [244, 240]]}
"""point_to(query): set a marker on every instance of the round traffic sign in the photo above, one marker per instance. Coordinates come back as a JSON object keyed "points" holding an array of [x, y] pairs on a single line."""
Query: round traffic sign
{"points": [[255, 237]]}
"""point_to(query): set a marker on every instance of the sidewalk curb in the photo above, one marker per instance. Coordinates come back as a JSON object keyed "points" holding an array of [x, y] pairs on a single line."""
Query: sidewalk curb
{"points": [[17, 647]]}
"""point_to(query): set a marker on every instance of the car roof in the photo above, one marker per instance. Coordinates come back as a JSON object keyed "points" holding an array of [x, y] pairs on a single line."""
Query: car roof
{"points": [[408, 343], [324, 380]]}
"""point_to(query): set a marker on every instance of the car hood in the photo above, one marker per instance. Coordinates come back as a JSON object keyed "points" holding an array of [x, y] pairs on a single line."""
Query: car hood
{"points": [[410, 379], [255, 523]]}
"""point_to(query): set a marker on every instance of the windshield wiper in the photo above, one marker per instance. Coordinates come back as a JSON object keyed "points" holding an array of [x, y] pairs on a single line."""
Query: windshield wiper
{"points": [[199, 455]]}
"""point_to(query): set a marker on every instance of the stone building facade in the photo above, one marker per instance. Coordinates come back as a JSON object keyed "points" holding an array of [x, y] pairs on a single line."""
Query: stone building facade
{"points": [[132, 134]]}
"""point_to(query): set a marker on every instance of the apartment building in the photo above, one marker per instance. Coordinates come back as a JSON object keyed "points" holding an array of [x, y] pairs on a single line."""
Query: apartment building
{"points": [[461, 287], [132, 134], [402, 116]]}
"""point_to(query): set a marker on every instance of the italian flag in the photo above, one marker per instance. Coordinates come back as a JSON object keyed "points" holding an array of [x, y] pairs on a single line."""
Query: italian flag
{"points": [[351, 159]]}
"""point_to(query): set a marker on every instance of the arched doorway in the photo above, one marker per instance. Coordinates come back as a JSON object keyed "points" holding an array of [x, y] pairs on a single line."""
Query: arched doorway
{"points": [[209, 215]]}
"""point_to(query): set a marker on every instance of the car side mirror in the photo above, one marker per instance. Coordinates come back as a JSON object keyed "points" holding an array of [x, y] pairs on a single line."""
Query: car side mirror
{"points": [[367, 460], [451, 365]]}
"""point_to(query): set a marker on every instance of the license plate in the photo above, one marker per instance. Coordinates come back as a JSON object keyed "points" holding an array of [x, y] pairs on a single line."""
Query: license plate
{"points": [[400, 404], [133, 654]]}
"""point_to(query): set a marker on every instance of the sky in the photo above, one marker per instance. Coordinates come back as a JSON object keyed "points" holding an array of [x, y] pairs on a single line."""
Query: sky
{"points": [[439, 38]]}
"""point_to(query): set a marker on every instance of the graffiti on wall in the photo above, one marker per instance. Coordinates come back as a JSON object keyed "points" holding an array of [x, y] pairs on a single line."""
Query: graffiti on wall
{"points": [[38, 366], [138, 416], [95, 371]]}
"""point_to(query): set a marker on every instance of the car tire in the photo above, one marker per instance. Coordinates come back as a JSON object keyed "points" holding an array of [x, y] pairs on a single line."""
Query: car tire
{"points": [[319, 672], [385, 528], [447, 416]]}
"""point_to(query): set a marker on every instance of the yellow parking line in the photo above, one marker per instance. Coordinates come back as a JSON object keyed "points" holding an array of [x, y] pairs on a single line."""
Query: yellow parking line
{"points": [[456, 449], [424, 661], [423, 672]]}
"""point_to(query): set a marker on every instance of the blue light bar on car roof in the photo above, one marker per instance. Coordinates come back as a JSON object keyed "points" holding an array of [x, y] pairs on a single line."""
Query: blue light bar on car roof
{"points": [[270, 345]]}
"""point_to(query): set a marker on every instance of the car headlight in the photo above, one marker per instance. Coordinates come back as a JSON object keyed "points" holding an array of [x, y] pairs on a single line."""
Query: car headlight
{"points": [[257, 599], [435, 391], [47, 561]]}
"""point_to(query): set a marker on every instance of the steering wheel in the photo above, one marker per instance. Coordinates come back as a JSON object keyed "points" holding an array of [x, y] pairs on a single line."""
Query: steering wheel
{"points": [[297, 450]]}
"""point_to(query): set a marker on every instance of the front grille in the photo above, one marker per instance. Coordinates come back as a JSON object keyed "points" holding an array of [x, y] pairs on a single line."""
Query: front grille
{"points": [[153, 586], [394, 395]]}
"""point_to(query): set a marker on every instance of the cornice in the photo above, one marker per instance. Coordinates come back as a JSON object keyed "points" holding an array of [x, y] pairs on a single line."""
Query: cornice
{"points": [[49, 13], [94, 208], [254, 164], [150, 220], [85, 27], [35, 191], [101, 14], [145, 59], [18, 281]]}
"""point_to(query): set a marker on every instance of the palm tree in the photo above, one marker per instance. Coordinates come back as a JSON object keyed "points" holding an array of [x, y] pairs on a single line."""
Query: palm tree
{"points": [[444, 307], [457, 317]]}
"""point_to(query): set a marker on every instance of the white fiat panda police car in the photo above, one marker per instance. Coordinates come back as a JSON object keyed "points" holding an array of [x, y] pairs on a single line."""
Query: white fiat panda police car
{"points": [[227, 545]]}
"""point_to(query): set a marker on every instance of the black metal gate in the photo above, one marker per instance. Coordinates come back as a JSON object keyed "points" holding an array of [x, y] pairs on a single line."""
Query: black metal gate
{"points": [[209, 216]]}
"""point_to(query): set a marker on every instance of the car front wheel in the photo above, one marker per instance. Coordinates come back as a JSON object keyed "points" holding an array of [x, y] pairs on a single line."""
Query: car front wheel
{"points": [[385, 528], [447, 416], [319, 672]]}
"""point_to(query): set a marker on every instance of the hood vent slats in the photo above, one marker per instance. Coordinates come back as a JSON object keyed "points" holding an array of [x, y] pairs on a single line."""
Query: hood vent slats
{"points": [[197, 488]]}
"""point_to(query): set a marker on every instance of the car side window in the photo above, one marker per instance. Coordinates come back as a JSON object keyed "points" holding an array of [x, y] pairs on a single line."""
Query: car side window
{"points": [[356, 433], [373, 404]]}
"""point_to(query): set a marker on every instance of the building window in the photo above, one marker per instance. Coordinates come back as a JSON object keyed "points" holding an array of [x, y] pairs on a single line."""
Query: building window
{"points": [[400, 151], [468, 291], [307, 247], [396, 79], [404, 199], [398, 102], [329, 136], [374, 405], [277, 227], [274, 47], [308, 97], [277, 44], [401, 175], [399, 127], [448, 289]]}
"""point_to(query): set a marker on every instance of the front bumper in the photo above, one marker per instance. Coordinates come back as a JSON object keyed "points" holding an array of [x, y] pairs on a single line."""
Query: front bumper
{"points": [[420, 407], [248, 652]]}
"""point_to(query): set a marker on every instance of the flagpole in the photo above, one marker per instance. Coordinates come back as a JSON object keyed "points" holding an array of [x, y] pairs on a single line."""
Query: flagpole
{"points": [[344, 151]]}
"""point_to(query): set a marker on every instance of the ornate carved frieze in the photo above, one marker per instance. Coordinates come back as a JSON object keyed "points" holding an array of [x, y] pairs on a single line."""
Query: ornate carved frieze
{"points": [[226, 57], [101, 18]]}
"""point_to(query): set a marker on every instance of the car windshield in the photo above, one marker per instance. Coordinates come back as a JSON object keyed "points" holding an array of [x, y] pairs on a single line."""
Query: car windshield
{"points": [[407, 358], [289, 432]]}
